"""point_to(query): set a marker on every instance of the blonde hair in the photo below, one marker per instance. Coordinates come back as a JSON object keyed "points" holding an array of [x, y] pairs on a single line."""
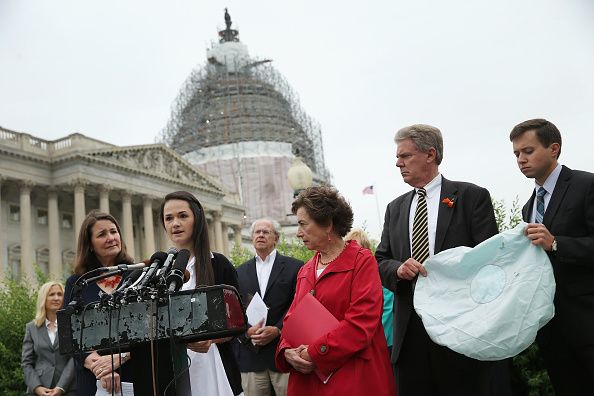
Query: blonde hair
{"points": [[360, 236], [44, 291]]}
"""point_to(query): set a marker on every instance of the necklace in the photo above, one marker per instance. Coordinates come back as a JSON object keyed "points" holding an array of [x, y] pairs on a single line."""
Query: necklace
{"points": [[320, 262], [111, 282]]}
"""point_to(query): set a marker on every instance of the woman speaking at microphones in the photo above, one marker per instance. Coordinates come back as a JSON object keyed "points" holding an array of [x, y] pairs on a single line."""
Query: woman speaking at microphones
{"points": [[213, 368]]}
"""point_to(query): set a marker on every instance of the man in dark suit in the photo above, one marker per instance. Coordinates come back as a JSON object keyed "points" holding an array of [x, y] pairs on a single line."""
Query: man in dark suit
{"points": [[438, 214], [560, 214], [273, 276]]}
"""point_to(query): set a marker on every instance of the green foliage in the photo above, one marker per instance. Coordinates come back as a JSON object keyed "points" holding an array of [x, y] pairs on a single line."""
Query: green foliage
{"points": [[507, 219], [295, 249], [17, 307]]}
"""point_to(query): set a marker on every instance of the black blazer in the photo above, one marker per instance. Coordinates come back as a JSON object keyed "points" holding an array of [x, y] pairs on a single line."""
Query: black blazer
{"points": [[278, 296], [469, 222], [570, 218]]}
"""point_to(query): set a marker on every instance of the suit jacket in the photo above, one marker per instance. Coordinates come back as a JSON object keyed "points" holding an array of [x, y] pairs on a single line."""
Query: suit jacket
{"points": [[570, 218], [469, 222], [42, 363], [278, 297]]}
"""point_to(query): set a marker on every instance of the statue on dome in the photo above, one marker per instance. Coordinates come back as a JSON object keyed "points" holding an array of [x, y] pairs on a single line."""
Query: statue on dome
{"points": [[227, 19]]}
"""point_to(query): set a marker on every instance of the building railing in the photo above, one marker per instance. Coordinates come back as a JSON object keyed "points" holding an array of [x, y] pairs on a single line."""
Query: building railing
{"points": [[32, 144]]}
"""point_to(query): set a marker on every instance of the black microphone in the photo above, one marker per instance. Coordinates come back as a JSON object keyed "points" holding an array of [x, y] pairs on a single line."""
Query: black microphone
{"points": [[124, 267], [129, 280], [157, 260], [171, 254], [175, 279]]}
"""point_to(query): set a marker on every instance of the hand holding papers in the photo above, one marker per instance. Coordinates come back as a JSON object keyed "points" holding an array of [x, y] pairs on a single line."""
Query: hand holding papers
{"points": [[256, 311]]}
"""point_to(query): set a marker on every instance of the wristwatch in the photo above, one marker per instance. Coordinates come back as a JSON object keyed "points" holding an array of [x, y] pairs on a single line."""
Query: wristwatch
{"points": [[554, 245]]}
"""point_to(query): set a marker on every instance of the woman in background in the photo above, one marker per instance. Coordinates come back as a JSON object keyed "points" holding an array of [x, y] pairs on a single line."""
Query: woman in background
{"points": [[47, 372], [362, 239], [213, 369], [344, 278], [99, 245]]}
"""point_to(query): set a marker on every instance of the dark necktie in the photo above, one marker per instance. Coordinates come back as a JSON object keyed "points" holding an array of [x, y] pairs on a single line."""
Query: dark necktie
{"points": [[420, 239], [540, 207]]}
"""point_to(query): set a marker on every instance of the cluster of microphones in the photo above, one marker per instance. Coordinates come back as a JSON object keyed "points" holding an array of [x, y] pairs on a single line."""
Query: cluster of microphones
{"points": [[164, 273]]}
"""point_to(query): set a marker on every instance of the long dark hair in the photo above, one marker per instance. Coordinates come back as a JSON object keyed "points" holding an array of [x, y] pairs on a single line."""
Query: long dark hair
{"points": [[86, 259], [200, 242]]}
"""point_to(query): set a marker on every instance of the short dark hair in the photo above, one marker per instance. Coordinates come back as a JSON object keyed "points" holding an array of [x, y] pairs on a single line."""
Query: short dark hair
{"points": [[325, 205], [86, 259], [546, 132], [200, 241]]}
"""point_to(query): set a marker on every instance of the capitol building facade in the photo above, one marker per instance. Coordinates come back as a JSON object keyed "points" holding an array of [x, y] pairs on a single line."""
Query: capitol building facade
{"points": [[48, 187]]}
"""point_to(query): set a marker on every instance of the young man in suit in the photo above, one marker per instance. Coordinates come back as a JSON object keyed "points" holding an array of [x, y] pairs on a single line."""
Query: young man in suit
{"points": [[560, 214], [438, 214], [273, 276]]}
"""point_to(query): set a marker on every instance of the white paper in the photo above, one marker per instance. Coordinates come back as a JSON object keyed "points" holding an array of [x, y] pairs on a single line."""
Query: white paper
{"points": [[257, 310], [127, 390]]}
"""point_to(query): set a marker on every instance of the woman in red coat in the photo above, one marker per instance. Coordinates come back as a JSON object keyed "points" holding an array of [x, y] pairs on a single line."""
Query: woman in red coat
{"points": [[344, 278]]}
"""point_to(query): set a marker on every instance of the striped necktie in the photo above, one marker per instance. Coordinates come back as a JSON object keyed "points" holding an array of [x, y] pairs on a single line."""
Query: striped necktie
{"points": [[420, 239], [540, 207]]}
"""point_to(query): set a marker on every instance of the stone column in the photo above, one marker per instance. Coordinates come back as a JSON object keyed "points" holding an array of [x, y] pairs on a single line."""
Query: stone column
{"points": [[211, 235], [127, 225], [225, 232], [27, 258], [149, 236], [79, 207], [53, 223], [237, 234], [218, 231], [104, 198]]}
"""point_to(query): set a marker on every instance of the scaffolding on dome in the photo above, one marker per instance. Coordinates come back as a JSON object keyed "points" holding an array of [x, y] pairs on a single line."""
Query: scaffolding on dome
{"points": [[249, 101]]}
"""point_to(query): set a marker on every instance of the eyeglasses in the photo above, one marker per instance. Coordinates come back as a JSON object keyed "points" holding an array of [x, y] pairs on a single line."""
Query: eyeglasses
{"points": [[263, 232]]}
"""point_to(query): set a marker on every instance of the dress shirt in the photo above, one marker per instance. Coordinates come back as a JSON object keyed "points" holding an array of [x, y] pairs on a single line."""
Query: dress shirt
{"points": [[433, 189], [549, 186], [263, 270], [51, 332]]}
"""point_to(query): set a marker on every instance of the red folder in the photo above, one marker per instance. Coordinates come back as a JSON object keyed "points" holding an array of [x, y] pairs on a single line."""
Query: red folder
{"points": [[308, 322]]}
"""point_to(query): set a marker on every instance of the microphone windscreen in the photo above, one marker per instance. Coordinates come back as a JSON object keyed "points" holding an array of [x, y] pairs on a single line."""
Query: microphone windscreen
{"points": [[161, 256], [181, 261]]}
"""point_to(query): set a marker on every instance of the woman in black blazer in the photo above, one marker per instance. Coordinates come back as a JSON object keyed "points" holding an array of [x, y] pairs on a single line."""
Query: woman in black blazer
{"points": [[46, 371], [183, 218]]}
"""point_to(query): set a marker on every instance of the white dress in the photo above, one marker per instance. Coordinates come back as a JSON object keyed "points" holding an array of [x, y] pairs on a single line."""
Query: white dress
{"points": [[207, 373]]}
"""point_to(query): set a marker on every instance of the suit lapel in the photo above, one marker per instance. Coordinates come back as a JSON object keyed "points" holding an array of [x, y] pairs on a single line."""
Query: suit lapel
{"points": [[43, 334], [557, 196], [527, 209], [445, 213], [403, 226], [277, 268], [253, 286]]}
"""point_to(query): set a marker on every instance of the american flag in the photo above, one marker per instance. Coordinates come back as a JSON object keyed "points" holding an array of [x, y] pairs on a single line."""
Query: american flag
{"points": [[368, 190]]}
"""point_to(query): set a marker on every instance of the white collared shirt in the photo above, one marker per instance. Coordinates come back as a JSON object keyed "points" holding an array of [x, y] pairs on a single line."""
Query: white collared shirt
{"points": [[549, 186], [433, 189], [263, 270], [51, 333]]}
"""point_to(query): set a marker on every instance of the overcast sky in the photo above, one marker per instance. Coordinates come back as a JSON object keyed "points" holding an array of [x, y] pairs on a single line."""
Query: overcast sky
{"points": [[111, 70]]}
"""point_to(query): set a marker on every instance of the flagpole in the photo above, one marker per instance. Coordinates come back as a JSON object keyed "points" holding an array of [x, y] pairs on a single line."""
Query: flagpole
{"points": [[379, 218]]}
